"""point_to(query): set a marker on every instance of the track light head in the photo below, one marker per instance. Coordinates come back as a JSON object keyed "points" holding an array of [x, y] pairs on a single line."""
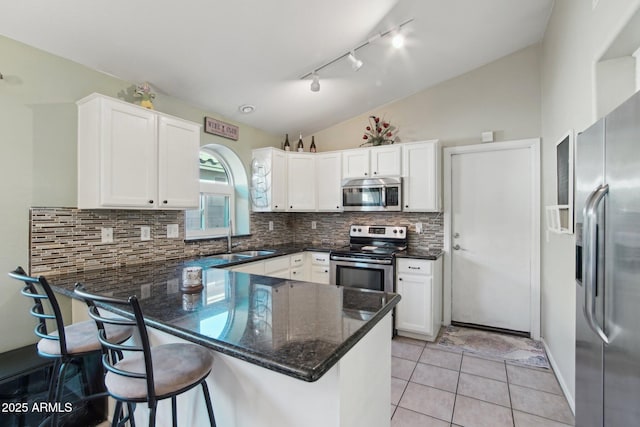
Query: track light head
{"points": [[356, 63], [315, 83], [398, 40]]}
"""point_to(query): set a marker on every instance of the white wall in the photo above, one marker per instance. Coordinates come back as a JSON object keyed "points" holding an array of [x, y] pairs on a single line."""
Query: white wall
{"points": [[576, 36], [503, 96]]}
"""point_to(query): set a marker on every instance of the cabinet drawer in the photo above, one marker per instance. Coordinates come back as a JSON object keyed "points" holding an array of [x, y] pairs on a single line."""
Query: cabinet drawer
{"points": [[414, 266], [276, 264], [297, 273], [297, 260], [319, 258]]}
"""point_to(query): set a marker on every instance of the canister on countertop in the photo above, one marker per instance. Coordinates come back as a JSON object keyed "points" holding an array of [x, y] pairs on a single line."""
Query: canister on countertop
{"points": [[192, 278]]}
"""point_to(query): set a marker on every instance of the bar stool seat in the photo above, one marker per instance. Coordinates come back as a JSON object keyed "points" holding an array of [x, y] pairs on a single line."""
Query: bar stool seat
{"points": [[82, 338], [175, 367]]}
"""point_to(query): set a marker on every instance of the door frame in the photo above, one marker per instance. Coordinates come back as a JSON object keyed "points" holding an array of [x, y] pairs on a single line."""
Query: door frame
{"points": [[532, 144]]}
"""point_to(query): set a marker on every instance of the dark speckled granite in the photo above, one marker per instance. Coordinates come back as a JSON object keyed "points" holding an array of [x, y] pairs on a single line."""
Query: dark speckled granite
{"points": [[430, 254], [299, 329]]}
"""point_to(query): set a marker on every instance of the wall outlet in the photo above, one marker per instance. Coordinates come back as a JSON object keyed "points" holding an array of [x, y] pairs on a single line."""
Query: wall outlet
{"points": [[107, 235], [270, 225], [145, 291], [419, 227], [172, 231], [172, 286], [145, 232], [313, 225]]}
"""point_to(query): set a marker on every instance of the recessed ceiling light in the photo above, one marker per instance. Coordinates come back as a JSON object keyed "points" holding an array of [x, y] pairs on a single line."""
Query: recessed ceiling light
{"points": [[246, 109], [398, 40]]}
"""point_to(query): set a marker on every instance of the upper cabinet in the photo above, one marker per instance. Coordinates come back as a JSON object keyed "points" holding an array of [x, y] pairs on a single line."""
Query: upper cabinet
{"points": [[421, 176], [301, 169], [269, 180], [130, 157], [371, 162], [328, 173]]}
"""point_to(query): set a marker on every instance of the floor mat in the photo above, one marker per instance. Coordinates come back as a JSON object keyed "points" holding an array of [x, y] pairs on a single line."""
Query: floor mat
{"points": [[524, 351]]}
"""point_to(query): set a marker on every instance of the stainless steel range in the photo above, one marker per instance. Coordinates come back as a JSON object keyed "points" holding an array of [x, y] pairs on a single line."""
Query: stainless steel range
{"points": [[368, 260]]}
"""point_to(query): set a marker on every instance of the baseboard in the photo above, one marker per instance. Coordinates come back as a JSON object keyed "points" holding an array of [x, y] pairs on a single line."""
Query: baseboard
{"points": [[563, 384]]}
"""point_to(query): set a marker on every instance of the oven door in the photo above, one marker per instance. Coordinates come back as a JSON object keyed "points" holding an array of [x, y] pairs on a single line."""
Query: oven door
{"points": [[362, 273]]}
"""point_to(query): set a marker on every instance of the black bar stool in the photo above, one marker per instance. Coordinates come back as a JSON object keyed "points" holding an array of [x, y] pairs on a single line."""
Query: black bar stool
{"points": [[150, 374], [66, 344]]}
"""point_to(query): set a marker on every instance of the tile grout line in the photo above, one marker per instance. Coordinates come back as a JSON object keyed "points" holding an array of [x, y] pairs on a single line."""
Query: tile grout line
{"points": [[455, 397], [408, 381], [513, 416]]}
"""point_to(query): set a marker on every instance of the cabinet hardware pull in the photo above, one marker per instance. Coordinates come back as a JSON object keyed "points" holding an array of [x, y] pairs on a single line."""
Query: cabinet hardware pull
{"points": [[150, 201], [406, 206], [399, 278], [165, 202], [414, 268]]}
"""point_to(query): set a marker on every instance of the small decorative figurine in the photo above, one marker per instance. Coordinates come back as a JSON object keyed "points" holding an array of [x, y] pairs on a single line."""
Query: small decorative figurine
{"points": [[144, 91]]}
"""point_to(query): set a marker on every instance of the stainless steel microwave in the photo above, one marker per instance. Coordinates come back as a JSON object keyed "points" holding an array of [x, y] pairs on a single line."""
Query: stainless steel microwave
{"points": [[372, 194]]}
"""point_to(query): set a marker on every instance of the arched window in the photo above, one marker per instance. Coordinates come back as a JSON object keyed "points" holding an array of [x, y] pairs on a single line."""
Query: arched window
{"points": [[219, 183]]}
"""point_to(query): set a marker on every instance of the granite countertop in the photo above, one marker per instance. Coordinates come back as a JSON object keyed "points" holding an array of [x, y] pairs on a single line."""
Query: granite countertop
{"points": [[429, 254], [300, 329]]}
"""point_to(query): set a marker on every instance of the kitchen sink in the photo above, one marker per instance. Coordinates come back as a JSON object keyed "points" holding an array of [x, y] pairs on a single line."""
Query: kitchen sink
{"points": [[231, 257], [253, 253]]}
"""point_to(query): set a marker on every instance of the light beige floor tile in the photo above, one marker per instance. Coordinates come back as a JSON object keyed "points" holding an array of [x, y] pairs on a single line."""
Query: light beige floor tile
{"points": [[533, 378], [407, 418], [484, 367], [486, 389], [435, 376], [547, 405], [429, 401], [402, 368], [527, 420], [405, 351], [408, 340], [476, 413], [397, 388], [444, 359]]}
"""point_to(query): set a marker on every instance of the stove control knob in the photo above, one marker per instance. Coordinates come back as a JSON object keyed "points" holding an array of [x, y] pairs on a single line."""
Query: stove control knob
{"points": [[395, 231], [401, 231], [359, 230], [354, 229]]}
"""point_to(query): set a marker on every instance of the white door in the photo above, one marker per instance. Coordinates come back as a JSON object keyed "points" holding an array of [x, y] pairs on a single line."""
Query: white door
{"points": [[491, 235]]}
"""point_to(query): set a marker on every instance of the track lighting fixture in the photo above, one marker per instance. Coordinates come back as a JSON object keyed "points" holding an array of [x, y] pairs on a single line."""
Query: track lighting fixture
{"points": [[397, 42], [356, 63], [315, 83]]}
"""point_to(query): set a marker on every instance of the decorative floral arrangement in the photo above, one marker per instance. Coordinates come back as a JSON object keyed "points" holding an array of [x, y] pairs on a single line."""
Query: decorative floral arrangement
{"points": [[144, 91], [379, 132]]}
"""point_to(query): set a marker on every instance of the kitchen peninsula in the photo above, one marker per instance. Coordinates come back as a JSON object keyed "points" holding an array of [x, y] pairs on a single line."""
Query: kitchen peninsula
{"points": [[287, 353]]}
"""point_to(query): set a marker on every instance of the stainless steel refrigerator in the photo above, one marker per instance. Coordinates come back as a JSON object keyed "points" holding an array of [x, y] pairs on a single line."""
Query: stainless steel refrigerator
{"points": [[607, 226]]}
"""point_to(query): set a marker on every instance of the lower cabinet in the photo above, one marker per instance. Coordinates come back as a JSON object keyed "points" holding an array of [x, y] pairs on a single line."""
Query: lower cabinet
{"points": [[419, 283], [320, 267]]}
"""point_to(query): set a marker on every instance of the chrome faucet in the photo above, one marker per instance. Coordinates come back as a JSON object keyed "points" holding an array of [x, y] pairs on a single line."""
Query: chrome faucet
{"points": [[229, 237]]}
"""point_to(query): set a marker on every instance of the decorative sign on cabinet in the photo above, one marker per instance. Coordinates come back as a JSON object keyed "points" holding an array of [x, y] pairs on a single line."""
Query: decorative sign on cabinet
{"points": [[130, 157]]}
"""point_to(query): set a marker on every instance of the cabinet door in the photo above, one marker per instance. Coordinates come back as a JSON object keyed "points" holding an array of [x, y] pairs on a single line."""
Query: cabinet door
{"points": [[385, 161], [328, 172], [420, 174], [278, 181], [301, 175], [320, 274], [355, 163], [413, 312], [128, 156], [178, 164]]}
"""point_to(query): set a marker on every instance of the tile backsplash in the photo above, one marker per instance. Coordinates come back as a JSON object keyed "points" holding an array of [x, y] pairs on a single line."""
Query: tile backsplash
{"points": [[69, 239]]}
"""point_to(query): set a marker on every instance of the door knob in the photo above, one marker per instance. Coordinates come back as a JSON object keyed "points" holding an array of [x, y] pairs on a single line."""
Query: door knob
{"points": [[456, 235], [456, 247]]}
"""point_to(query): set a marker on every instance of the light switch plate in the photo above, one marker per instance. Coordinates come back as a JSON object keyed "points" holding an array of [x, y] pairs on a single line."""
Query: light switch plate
{"points": [[172, 286], [172, 231], [419, 227], [313, 225], [270, 225], [145, 232], [107, 235], [145, 291]]}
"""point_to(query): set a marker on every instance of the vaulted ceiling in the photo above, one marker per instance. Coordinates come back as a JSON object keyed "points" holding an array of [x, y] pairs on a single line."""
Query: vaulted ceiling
{"points": [[219, 55]]}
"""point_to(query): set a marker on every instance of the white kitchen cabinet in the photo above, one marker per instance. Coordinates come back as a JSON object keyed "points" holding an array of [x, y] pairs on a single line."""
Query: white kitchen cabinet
{"points": [[320, 267], [421, 176], [269, 180], [371, 162], [299, 266], [419, 312], [278, 267], [385, 160], [328, 181], [255, 267], [301, 182], [130, 157]]}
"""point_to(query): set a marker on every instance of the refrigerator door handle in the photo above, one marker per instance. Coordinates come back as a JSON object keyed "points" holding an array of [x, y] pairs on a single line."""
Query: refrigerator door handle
{"points": [[591, 258]]}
